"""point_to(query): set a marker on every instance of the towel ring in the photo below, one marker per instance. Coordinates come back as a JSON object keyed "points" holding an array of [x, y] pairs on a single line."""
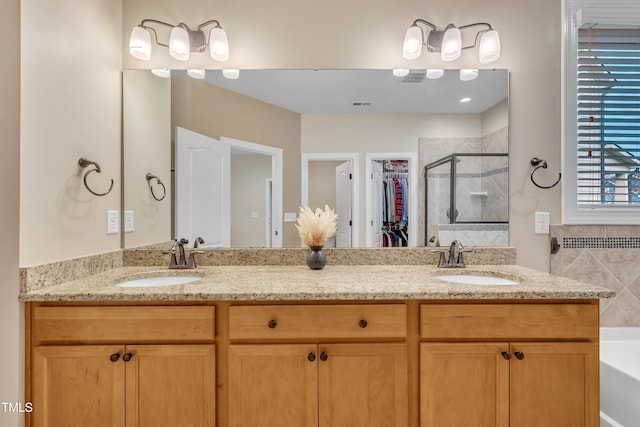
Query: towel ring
{"points": [[84, 162], [151, 176], [539, 163]]}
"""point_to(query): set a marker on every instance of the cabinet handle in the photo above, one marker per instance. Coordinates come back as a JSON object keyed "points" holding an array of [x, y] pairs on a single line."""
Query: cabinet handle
{"points": [[127, 356], [311, 357], [114, 357], [272, 324], [506, 355], [323, 356], [519, 355], [362, 323]]}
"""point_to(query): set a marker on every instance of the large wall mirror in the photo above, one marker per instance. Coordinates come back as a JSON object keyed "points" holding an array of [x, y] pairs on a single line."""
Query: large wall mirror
{"points": [[257, 143]]}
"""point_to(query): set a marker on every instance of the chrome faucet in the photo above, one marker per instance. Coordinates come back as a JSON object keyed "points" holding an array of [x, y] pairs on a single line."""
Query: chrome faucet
{"points": [[181, 261], [456, 257]]}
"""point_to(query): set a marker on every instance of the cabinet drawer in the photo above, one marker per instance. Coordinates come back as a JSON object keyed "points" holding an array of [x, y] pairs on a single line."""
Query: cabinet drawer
{"points": [[123, 324], [318, 321], [509, 321]]}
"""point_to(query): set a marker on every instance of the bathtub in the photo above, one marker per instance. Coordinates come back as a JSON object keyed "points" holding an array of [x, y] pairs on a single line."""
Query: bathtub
{"points": [[619, 377]]}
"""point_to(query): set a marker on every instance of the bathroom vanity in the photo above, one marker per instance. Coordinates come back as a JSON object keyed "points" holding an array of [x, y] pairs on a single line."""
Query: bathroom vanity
{"points": [[350, 345]]}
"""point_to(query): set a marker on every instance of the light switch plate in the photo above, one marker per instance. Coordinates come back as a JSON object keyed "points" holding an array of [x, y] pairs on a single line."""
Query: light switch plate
{"points": [[128, 221], [290, 217], [542, 223], [113, 222]]}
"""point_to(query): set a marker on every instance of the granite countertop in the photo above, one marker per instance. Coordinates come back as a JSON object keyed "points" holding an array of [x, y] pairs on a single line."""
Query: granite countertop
{"points": [[334, 282]]}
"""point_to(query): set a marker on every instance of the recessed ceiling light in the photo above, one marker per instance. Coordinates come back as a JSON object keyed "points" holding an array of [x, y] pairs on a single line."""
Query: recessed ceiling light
{"points": [[465, 99]]}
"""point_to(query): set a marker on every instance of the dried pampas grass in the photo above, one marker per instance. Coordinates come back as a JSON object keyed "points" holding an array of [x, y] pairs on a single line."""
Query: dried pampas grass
{"points": [[316, 227]]}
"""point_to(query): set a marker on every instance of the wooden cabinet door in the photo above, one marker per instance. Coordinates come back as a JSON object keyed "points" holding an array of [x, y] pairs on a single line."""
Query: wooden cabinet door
{"points": [[554, 384], [363, 385], [464, 384], [273, 385], [78, 386], [170, 385]]}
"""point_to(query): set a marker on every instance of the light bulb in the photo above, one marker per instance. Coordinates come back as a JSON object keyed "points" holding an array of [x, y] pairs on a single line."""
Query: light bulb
{"points": [[231, 74], [140, 43], [413, 40], [400, 72], [467, 74], [435, 73], [218, 44], [451, 44], [489, 50], [165, 73], [196, 73], [179, 45]]}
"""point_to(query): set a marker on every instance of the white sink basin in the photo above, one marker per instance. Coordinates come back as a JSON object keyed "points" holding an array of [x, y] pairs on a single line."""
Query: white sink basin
{"points": [[476, 279], [146, 282]]}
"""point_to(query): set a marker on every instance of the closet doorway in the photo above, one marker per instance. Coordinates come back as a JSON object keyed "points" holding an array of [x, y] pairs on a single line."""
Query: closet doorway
{"points": [[332, 179], [391, 216]]}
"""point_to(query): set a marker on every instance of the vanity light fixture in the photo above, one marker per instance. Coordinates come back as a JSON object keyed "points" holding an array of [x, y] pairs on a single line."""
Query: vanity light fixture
{"points": [[449, 41], [230, 73], [400, 72], [165, 73], [468, 74], [434, 73], [196, 73], [182, 40]]}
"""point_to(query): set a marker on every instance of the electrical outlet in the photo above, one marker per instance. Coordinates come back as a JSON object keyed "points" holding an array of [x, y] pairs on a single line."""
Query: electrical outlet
{"points": [[542, 223], [128, 221], [113, 222]]}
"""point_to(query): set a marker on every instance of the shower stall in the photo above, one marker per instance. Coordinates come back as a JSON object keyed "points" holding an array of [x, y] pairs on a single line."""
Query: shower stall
{"points": [[467, 199]]}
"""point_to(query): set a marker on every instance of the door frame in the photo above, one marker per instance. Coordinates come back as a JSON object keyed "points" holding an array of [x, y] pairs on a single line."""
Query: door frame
{"points": [[276, 176], [355, 185], [412, 158]]}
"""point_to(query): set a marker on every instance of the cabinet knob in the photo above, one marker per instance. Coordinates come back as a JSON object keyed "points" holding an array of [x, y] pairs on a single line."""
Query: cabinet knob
{"points": [[127, 356], [311, 357], [114, 357], [323, 356], [519, 355], [506, 355], [272, 324], [362, 323]]}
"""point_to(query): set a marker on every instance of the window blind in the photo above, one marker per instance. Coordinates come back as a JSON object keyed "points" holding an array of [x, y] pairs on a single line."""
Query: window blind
{"points": [[608, 113]]}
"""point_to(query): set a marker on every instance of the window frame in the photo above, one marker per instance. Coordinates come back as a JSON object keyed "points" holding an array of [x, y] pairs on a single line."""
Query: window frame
{"points": [[574, 12]]}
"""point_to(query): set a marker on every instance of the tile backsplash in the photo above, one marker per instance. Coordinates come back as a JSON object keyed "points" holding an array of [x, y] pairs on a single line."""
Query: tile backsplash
{"points": [[606, 255]]}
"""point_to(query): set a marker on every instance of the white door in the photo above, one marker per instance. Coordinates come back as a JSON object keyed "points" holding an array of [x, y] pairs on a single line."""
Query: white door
{"points": [[203, 183], [377, 176], [343, 204]]}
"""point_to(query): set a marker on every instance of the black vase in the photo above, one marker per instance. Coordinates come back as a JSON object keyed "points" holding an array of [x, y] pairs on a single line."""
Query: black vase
{"points": [[316, 260]]}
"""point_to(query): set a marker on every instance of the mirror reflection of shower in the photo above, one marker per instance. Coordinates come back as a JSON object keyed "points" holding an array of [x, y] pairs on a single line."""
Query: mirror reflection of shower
{"points": [[466, 199]]}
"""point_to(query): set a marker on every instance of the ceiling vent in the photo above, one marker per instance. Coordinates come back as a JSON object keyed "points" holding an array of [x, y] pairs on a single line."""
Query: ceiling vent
{"points": [[361, 103], [415, 76]]}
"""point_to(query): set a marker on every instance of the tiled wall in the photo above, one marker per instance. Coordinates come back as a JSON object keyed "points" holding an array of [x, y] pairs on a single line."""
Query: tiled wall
{"points": [[603, 255], [475, 175]]}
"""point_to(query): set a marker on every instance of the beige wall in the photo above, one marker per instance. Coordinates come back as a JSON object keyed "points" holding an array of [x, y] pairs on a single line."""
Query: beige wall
{"points": [[70, 107], [495, 118], [217, 112], [147, 149], [248, 196], [11, 312]]}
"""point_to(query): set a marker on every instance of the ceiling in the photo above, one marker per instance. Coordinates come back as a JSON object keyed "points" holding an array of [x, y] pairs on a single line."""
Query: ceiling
{"points": [[372, 91]]}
